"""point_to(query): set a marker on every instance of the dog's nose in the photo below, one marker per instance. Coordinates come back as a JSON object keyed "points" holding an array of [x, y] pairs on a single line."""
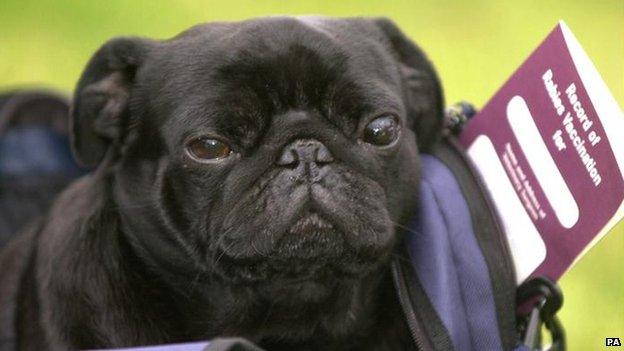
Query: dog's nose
{"points": [[306, 151]]}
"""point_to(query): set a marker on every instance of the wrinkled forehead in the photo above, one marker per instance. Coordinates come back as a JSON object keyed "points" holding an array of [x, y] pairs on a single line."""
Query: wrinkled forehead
{"points": [[248, 72]]}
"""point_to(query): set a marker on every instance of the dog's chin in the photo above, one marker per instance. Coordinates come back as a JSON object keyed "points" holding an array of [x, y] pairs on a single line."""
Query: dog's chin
{"points": [[299, 283], [310, 260]]}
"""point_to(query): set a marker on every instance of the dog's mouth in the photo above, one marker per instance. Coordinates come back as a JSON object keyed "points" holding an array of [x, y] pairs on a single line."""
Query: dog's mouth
{"points": [[311, 236], [321, 234], [313, 250], [310, 222]]}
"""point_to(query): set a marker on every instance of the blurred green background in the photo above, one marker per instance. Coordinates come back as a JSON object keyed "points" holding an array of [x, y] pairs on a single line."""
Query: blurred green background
{"points": [[475, 45]]}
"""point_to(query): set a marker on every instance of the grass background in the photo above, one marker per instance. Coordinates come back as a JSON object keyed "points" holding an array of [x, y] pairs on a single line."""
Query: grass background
{"points": [[475, 45]]}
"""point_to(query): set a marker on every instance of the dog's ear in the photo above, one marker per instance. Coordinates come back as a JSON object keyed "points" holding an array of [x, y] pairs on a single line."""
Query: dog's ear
{"points": [[423, 93], [101, 97]]}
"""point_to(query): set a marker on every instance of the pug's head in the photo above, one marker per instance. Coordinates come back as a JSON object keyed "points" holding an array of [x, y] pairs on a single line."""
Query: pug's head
{"points": [[270, 152]]}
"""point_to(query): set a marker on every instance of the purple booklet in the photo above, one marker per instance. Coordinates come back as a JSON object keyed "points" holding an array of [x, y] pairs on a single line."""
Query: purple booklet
{"points": [[550, 148]]}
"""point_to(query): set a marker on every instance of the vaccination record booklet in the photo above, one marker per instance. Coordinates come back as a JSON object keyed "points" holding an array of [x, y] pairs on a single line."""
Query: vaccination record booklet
{"points": [[550, 149]]}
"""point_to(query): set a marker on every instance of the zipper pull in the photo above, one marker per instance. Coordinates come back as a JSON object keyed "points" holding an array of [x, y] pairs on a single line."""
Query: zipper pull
{"points": [[533, 333], [457, 115], [546, 299]]}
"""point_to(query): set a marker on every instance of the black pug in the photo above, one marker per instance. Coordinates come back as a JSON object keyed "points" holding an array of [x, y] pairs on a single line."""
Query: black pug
{"points": [[252, 180]]}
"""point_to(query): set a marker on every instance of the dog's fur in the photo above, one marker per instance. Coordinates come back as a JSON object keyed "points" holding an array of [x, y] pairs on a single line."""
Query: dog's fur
{"points": [[155, 247]]}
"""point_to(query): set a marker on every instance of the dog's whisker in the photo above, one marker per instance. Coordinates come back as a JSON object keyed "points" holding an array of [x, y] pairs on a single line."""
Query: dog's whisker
{"points": [[195, 282], [406, 228], [401, 258], [223, 251], [255, 249]]}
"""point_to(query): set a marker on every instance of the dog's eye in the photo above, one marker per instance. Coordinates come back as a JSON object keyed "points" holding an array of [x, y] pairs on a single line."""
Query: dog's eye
{"points": [[382, 131], [205, 148]]}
